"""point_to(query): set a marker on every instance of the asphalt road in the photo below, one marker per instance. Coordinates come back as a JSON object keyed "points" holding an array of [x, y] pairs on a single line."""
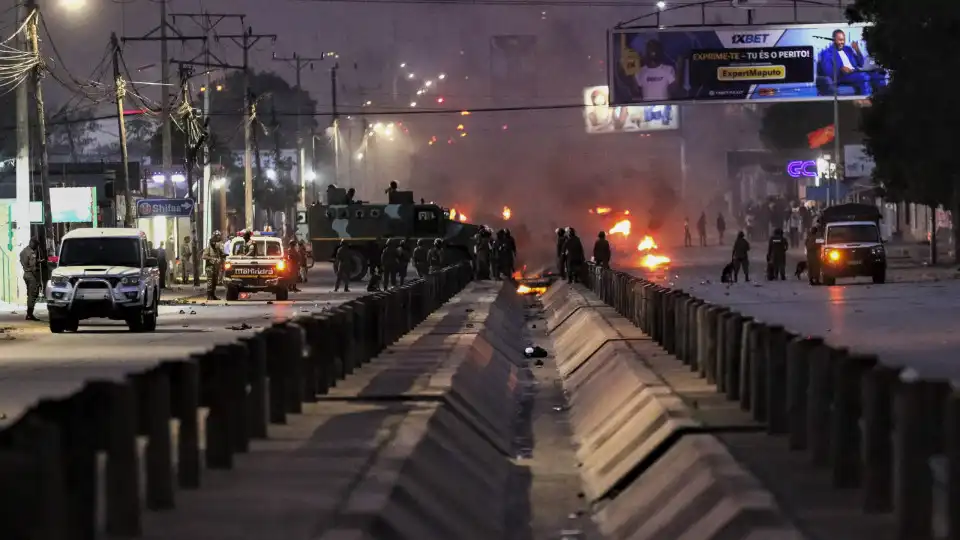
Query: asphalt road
{"points": [[911, 321], [35, 363]]}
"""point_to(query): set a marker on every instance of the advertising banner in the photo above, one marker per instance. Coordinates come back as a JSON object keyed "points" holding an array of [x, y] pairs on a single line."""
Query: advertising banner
{"points": [[72, 204], [600, 117], [808, 62]]}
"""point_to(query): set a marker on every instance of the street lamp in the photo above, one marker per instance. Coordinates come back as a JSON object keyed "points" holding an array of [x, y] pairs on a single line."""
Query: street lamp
{"points": [[836, 123], [73, 5], [661, 5], [442, 76]]}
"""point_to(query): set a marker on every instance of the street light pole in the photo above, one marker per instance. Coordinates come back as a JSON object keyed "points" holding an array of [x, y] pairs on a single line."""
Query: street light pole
{"points": [[836, 131]]}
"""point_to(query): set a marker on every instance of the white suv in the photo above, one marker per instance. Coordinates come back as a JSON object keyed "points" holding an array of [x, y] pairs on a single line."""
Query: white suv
{"points": [[107, 273]]}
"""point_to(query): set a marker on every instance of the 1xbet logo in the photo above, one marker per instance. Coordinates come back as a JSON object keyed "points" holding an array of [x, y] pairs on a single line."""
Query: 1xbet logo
{"points": [[750, 38]]}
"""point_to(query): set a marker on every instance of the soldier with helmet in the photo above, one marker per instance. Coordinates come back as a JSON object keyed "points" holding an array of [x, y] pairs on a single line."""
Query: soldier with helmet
{"points": [[435, 256], [484, 254], [213, 256], [573, 252], [420, 257], [390, 263], [343, 264], [561, 252]]}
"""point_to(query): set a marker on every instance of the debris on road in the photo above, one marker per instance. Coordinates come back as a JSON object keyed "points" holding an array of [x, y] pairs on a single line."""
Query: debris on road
{"points": [[243, 326]]}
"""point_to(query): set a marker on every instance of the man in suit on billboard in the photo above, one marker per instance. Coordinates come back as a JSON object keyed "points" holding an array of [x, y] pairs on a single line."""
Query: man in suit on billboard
{"points": [[842, 64]]}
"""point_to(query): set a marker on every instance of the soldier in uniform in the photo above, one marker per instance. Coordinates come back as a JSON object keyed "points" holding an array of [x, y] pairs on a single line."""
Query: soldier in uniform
{"points": [[420, 257], [186, 259], [403, 259], [561, 252], [213, 256], [343, 263], [389, 263], [483, 249], [601, 250], [573, 252], [435, 256], [30, 261], [509, 253], [249, 247]]}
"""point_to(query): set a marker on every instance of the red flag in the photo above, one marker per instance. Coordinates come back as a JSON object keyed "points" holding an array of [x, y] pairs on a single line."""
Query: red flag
{"points": [[820, 137]]}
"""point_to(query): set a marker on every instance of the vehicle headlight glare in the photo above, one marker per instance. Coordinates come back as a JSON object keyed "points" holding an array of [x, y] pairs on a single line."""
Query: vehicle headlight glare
{"points": [[59, 281]]}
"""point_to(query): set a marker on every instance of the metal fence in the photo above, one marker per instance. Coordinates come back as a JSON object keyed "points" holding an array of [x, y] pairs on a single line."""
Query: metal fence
{"points": [[877, 428], [49, 481]]}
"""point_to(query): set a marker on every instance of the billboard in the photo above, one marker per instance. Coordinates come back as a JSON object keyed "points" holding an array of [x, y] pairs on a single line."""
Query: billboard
{"points": [[600, 117], [805, 62]]}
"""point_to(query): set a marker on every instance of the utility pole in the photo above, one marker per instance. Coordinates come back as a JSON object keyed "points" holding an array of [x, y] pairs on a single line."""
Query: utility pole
{"points": [[32, 31], [336, 123], [124, 157], [299, 62], [165, 133], [190, 151], [23, 177], [246, 41], [252, 111], [208, 23]]}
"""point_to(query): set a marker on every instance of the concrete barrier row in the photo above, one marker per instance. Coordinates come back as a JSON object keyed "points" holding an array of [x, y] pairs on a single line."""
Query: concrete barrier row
{"points": [[446, 471], [645, 463], [876, 428], [155, 431]]}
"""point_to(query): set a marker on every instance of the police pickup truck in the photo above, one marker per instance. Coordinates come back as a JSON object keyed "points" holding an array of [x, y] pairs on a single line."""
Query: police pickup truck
{"points": [[265, 271], [851, 245]]}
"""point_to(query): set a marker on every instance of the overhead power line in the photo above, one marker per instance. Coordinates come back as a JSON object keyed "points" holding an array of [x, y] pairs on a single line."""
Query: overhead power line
{"points": [[533, 3]]}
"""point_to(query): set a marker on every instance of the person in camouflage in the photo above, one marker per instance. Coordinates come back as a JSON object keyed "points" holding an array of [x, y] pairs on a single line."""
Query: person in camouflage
{"points": [[343, 264], [403, 259], [420, 257], [32, 276], [390, 263], [484, 249], [213, 256], [507, 255], [435, 256]]}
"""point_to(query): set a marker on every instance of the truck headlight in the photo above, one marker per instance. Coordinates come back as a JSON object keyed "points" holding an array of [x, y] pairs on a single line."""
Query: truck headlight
{"points": [[59, 281], [877, 250], [130, 281]]}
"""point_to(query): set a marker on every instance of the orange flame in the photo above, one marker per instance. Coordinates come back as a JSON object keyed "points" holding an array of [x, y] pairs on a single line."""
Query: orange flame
{"points": [[622, 227], [647, 244], [626, 212], [652, 262], [506, 212], [462, 217], [523, 289], [604, 210], [453, 214]]}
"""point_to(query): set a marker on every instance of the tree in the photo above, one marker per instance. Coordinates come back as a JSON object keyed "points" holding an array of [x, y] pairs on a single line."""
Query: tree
{"points": [[909, 129], [784, 126], [226, 129]]}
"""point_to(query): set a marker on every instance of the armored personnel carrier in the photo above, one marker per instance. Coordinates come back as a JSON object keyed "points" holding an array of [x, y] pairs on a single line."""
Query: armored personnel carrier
{"points": [[367, 226]]}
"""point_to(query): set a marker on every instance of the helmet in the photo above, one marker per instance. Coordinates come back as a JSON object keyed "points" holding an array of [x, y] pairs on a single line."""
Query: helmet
{"points": [[437, 242]]}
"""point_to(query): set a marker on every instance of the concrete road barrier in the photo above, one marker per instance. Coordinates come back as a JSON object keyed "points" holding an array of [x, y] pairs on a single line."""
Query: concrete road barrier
{"points": [[696, 490], [875, 428], [641, 428], [216, 403], [446, 472]]}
